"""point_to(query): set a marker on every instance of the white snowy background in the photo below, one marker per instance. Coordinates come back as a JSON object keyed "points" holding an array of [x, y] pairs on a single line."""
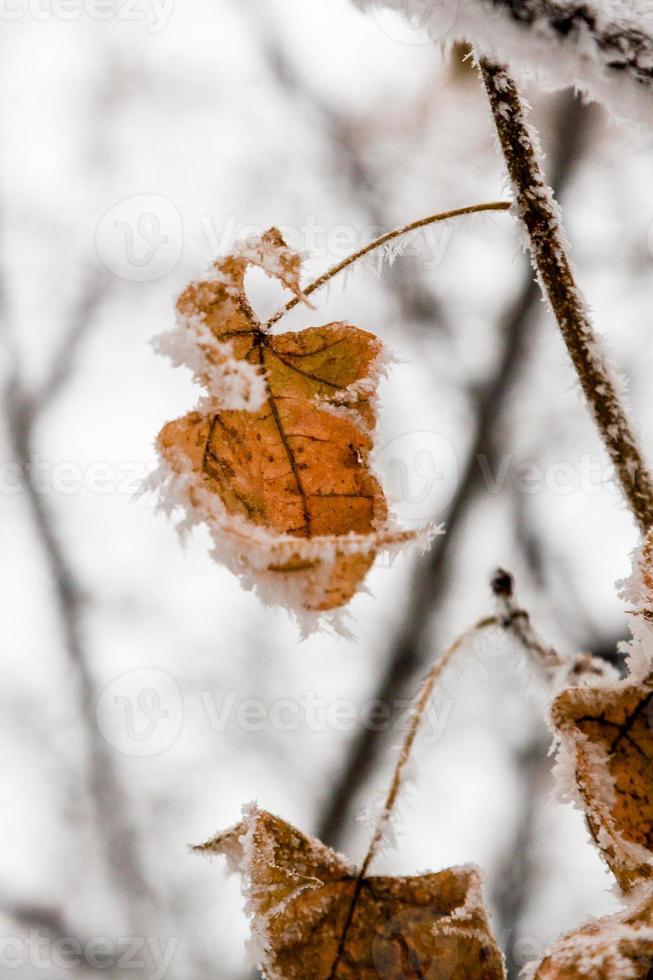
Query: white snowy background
{"points": [[145, 696]]}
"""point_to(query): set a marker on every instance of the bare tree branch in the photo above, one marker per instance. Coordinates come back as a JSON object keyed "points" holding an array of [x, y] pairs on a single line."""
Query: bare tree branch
{"points": [[513, 878], [122, 852], [49, 926], [91, 296], [24, 409]]}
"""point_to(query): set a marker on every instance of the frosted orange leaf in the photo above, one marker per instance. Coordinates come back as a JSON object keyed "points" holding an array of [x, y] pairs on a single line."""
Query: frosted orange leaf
{"points": [[276, 460], [312, 916]]}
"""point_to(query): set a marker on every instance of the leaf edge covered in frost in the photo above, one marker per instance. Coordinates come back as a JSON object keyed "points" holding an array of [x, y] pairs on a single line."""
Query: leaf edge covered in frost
{"points": [[256, 553], [255, 856]]}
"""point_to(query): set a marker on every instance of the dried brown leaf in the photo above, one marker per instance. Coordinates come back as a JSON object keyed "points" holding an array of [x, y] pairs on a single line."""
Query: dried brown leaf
{"points": [[607, 742], [312, 916], [286, 479]]}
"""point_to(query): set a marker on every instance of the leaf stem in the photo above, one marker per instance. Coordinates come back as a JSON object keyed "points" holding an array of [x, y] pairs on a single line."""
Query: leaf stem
{"points": [[417, 715], [509, 617], [540, 216], [388, 236]]}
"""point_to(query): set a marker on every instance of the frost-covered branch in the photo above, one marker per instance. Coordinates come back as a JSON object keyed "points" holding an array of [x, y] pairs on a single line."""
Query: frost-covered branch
{"points": [[540, 215], [621, 46], [417, 715], [512, 617], [603, 48]]}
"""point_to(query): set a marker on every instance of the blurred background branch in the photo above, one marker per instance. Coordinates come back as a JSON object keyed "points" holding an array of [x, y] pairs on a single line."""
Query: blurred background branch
{"points": [[430, 586]]}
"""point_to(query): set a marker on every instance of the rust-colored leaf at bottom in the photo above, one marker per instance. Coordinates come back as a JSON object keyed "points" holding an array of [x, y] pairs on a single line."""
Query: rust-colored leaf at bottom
{"points": [[300, 897]]}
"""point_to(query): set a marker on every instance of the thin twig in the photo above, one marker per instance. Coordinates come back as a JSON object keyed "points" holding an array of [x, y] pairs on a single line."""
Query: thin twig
{"points": [[416, 300], [417, 715], [510, 615], [509, 618], [421, 703], [540, 215], [389, 236]]}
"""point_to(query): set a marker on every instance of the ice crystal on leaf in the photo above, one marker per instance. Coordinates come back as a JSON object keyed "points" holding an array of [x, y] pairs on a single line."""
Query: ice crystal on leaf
{"points": [[605, 766], [605, 751], [606, 730], [618, 947]]}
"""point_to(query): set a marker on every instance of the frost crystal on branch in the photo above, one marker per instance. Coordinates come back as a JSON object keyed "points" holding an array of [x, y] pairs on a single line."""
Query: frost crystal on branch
{"points": [[545, 238], [605, 49]]}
